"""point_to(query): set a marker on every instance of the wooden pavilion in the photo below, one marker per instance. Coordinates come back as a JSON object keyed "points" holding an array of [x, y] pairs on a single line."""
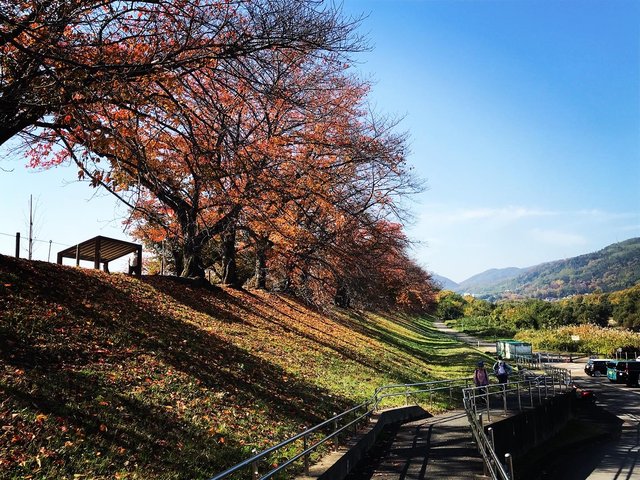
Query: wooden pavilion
{"points": [[102, 250]]}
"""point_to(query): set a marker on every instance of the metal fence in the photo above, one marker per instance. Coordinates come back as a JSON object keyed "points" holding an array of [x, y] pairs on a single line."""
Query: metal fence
{"points": [[296, 451], [300, 447], [304, 444], [526, 391]]}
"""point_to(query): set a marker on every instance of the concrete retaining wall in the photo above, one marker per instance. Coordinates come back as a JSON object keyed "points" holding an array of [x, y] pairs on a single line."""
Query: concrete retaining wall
{"points": [[338, 465], [520, 433]]}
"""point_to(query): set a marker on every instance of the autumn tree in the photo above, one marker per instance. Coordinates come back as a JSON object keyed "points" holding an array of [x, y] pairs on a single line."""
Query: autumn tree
{"points": [[180, 139], [255, 134], [55, 55]]}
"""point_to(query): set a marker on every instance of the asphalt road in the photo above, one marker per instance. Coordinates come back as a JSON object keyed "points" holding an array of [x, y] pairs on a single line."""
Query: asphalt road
{"points": [[619, 458]]}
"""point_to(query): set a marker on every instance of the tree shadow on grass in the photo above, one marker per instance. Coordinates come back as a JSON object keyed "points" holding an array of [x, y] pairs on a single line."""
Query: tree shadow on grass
{"points": [[203, 298], [347, 346], [434, 348], [218, 302], [66, 364]]}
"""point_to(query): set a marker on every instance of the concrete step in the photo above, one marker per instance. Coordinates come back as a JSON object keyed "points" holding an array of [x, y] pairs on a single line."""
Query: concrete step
{"points": [[438, 447]]}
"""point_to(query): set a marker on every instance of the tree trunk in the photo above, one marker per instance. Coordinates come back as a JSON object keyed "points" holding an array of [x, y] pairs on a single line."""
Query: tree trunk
{"points": [[192, 265], [262, 245], [228, 253], [192, 262], [342, 298]]}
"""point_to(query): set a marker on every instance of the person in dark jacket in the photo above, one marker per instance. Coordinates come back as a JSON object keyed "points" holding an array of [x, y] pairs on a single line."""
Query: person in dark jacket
{"points": [[502, 370]]}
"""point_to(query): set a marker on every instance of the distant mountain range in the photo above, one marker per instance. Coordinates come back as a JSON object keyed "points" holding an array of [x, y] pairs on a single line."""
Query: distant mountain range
{"points": [[613, 268]]}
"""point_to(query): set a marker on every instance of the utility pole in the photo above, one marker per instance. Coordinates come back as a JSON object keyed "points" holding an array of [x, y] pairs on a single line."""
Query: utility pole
{"points": [[30, 226]]}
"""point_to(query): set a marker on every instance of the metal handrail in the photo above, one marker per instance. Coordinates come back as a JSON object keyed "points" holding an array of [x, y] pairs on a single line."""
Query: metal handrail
{"points": [[253, 461], [412, 389], [558, 378], [492, 463], [407, 390], [528, 388], [369, 406]]}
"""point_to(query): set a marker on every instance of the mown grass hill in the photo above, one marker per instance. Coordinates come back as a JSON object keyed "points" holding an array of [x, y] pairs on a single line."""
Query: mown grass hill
{"points": [[111, 377]]}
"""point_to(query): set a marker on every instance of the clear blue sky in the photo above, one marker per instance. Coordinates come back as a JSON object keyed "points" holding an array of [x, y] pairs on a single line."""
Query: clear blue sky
{"points": [[524, 118]]}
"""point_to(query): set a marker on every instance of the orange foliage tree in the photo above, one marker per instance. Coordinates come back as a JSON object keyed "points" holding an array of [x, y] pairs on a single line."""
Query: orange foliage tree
{"points": [[255, 136], [187, 139], [60, 54]]}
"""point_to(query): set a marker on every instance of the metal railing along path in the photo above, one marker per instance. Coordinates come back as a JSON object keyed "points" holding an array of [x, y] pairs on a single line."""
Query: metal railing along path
{"points": [[308, 441], [525, 391], [360, 413]]}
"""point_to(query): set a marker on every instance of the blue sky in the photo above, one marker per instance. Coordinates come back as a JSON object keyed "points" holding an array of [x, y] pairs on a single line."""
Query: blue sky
{"points": [[524, 120]]}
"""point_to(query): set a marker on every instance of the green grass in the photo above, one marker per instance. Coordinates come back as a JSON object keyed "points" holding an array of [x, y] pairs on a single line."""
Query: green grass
{"points": [[111, 377], [482, 327]]}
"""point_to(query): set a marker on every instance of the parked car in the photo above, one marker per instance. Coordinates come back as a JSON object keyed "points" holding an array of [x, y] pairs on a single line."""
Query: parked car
{"points": [[596, 367], [623, 371]]}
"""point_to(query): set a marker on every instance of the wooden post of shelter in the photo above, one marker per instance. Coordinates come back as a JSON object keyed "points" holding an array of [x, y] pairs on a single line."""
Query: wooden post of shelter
{"points": [[17, 244], [96, 254], [138, 271]]}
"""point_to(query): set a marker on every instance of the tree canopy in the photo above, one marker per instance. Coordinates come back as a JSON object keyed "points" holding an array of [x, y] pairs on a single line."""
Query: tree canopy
{"points": [[226, 127]]}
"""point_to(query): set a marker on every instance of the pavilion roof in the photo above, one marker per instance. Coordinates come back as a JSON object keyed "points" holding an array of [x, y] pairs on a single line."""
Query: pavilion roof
{"points": [[109, 248]]}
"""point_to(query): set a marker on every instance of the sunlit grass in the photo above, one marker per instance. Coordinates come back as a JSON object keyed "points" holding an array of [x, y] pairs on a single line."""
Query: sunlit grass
{"points": [[107, 376], [484, 328]]}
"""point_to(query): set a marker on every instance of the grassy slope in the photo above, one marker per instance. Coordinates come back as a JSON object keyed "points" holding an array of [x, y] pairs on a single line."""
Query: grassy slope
{"points": [[107, 376]]}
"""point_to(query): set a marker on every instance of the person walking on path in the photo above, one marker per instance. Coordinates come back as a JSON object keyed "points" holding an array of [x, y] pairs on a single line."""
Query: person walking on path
{"points": [[502, 370], [480, 376], [481, 381]]}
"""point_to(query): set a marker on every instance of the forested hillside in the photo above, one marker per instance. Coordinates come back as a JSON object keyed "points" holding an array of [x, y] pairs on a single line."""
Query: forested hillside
{"points": [[613, 268], [110, 376], [489, 277]]}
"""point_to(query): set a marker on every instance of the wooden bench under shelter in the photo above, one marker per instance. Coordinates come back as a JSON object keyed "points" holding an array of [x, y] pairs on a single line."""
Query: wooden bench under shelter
{"points": [[104, 250]]}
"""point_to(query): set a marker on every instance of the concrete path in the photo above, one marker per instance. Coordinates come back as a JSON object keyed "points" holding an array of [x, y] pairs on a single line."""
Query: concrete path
{"points": [[483, 345], [439, 447]]}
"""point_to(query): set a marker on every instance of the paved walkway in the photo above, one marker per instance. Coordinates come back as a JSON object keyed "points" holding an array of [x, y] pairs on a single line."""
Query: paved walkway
{"points": [[439, 447], [484, 345]]}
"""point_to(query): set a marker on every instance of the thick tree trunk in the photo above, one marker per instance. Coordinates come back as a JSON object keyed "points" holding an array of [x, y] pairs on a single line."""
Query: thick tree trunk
{"points": [[342, 298], [228, 254], [262, 245], [192, 265], [196, 239]]}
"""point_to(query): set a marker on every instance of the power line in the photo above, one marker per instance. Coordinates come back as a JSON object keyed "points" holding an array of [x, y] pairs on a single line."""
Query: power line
{"points": [[37, 239]]}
